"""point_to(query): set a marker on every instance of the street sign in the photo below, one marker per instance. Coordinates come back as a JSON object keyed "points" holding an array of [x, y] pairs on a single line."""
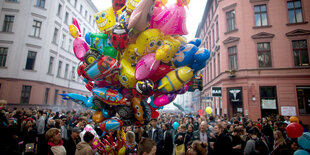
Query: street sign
{"points": [[216, 91]]}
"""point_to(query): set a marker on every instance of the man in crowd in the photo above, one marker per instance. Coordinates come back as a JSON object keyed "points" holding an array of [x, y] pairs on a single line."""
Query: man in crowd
{"points": [[73, 140], [203, 133], [223, 144], [146, 147], [156, 134], [168, 142]]}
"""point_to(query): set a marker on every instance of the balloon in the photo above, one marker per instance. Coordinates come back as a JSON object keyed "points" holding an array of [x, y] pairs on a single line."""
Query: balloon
{"points": [[142, 111], [301, 152], [202, 55], [90, 129], [304, 141], [175, 125], [161, 71], [294, 130], [146, 66], [74, 31], [148, 41], [294, 119], [131, 5], [127, 75], [140, 17], [118, 4], [87, 37], [111, 125], [208, 110], [172, 20], [75, 23], [80, 47], [97, 117], [167, 51], [175, 79], [145, 87], [154, 114], [119, 37], [195, 42], [185, 55], [164, 99], [110, 96], [129, 54], [108, 81], [105, 19]]}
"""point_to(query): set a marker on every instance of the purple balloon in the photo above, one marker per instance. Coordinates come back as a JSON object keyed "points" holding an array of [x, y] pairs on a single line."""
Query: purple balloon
{"points": [[80, 47], [146, 67]]}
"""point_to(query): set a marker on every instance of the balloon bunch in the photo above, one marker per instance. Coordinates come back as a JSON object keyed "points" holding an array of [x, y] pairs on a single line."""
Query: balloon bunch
{"points": [[138, 55]]}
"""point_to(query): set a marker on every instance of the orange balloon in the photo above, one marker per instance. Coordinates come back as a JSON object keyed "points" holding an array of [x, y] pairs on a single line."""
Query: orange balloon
{"points": [[294, 119], [98, 117]]}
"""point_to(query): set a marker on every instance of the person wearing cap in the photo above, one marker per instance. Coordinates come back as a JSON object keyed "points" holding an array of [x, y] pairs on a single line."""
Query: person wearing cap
{"points": [[73, 140]]}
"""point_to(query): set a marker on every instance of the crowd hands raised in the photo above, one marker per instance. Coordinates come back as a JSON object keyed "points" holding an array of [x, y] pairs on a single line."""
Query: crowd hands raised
{"points": [[29, 131]]}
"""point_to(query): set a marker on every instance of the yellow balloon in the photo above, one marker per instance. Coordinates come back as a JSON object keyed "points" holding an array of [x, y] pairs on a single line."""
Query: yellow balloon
{"points": [[294, 119], [105, 19], [167, 51], [127, 74], [74, 31], [148, 41], [208, 110], [130, 54]]}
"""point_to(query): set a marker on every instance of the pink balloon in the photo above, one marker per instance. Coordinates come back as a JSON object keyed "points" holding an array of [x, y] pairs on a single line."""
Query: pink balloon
{"points": [[146, 66], [80, 47], [75, 22], [163, 99]]}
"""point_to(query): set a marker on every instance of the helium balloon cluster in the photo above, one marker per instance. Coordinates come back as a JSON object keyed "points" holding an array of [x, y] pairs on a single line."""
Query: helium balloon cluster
{"points": [[138, 55]]}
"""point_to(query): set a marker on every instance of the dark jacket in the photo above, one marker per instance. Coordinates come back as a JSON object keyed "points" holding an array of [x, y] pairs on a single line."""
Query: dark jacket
{"points": [[158, 137], [223, 145], [70, 145], [196, 135], [168, 143]]}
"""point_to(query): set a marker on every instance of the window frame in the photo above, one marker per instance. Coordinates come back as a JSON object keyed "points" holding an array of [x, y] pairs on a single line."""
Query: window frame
{"points": [[3, 56], [229, 19], [8, 24], [32, 55], [294, 10], [260, 13], [59, 69], [304, 97], [25, 94], [40, 3], [36, 26], [51, 65], [300, 52], [234, 54], [264, 51]]}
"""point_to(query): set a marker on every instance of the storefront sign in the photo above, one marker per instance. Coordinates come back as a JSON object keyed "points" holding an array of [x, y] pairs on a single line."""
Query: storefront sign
{"points": [[206, 99], [269, 104], [216, 91], [288, 110], [239, 109], [235, 95]]}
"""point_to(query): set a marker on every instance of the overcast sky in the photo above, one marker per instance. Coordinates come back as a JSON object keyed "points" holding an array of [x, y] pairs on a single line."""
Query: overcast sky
{"points": [[194, 13]]}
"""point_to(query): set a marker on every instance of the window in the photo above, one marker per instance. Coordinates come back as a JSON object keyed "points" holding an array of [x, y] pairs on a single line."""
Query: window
{"points": [[211, 77], [31, 58], [233, 59], [59, 10], [40, 3], [70, 47], [25, 96], [210, 41], [294, 11], [3, 56], [36, 28], [12, 0], [214, 67], [63, 41], [303, 95], [93, 22], [81, 8], [213, 37], [47, 90], [72, 73], [217, 31], [89, 19], [55, 96], [66, 71], [85, 14], [75, 2], [59, 68], [260, 12], [84, 31], [264, 56], [55, 36], [218, 63], [8, 23], [230, 18], [66, 18], [268, 98], [62, 101], [50, 66], [207, 73], [300, 53]]}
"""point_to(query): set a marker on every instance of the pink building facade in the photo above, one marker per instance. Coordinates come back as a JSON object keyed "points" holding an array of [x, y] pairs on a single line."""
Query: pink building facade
{"points": [[259, 57]]}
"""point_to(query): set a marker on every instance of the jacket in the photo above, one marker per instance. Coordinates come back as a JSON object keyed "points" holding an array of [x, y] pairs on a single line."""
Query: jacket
{"points": [[168, 143], [158, 137], [83, 148], [58, 149], [70, 145], [196, 135]]}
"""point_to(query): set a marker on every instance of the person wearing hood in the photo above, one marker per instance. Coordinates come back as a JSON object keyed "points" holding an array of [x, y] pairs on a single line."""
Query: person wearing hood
{"points": [[84, 147]]}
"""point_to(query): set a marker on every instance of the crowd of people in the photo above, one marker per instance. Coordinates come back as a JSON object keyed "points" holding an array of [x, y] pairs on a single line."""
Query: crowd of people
{"points": [[30, 131]]}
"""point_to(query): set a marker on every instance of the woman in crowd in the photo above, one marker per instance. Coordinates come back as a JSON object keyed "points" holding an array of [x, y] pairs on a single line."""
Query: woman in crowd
{"points": [[131, 145], [197, 148], [85, 147], [55, 143], [279, 146], [188, 135]]}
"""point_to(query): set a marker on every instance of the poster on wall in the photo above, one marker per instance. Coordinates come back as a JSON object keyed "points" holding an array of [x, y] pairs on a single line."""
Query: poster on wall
{"points": [[235, 94], [288, 110], [269, 104]]}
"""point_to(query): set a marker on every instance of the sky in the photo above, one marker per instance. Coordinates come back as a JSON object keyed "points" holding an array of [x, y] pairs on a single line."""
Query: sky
{"points": [[193, 17], [194, 13]]}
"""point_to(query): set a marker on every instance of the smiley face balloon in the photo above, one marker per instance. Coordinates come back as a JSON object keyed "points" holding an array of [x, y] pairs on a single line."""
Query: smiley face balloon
{"points": [[105, 20]]}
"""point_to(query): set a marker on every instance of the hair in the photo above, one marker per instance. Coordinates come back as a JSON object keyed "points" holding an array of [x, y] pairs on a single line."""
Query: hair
{"points": [[167, 126], [41, 112], [130, 136], [200, 147], [219, 125], [190, 125], [145, 145], [80, 119], [280, 136], [88, 137], [183, 126], [50, 133]]}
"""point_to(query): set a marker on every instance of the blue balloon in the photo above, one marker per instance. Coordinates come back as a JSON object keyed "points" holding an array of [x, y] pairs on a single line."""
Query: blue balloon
{"points": [[301, 152], [87, 37], [175, 125], [304, 141]]}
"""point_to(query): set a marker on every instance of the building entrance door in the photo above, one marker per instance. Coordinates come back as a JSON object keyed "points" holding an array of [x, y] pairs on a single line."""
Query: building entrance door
{"points": [[235, 102]]}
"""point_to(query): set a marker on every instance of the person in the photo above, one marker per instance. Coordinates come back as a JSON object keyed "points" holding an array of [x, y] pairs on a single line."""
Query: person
{"points": [[84, 147], [197, 148], [223, 144], [255, 145], [280, 146], [237, 142], [55, 143], [156, 134], [267, 131], [63, 127], [180, 139], [131, 145], [138, 133], [82, 122], [168, 142], [188, 135], [203, 133], [146, 147], [73, 140]]}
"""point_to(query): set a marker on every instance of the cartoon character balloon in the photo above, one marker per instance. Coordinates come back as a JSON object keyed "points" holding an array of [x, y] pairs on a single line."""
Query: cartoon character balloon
{"points": [[105, 20]]}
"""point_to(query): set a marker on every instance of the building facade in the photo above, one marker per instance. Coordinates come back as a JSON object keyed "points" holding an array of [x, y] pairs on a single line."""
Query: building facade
{"points": [[259, 57], [37, 61]]}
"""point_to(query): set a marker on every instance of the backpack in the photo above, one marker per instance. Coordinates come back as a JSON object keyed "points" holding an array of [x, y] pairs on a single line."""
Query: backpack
{"points": [[260, 148]]}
